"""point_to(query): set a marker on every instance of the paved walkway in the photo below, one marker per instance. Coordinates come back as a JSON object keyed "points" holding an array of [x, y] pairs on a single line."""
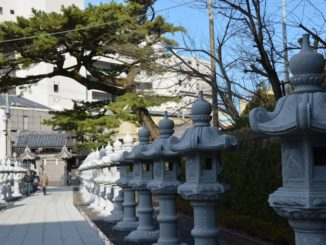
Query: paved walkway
{"points": [[46, 220]]}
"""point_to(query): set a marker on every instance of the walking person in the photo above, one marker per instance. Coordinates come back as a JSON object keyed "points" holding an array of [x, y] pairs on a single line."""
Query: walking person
{"points": [[28, 180], [44, 181]]}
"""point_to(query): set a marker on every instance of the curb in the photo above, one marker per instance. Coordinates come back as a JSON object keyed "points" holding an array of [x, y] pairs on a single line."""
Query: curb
{"points": [[91, 223], [99, 232]]}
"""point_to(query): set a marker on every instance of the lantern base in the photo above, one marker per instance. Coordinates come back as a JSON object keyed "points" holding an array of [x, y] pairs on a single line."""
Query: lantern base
{"points": [[312, 232], [143, 236], [114, 218], [125, 225]]}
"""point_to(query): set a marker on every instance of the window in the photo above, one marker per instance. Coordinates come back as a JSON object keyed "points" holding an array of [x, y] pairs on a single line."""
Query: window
{"points": [[319, 156], [145, 167], [25, 123], [1, 10], [206, 164], [56, 88], [168, 166], [12, 11]]}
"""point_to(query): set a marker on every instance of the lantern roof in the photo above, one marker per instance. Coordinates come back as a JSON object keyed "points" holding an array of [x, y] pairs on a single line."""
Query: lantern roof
{"points": [[136, 152], [120, 151], [302, 111], [202, 137], [117, 147], [28, 154], [161, 147], [65, 153]]}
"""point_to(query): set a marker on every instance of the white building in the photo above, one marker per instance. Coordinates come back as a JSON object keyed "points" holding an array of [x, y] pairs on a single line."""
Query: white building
{"points": [[173, 84], [9, 10], [57, 92]]}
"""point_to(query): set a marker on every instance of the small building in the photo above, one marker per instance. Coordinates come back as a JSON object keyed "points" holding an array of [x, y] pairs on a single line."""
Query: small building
{"points": [[47, 147]]}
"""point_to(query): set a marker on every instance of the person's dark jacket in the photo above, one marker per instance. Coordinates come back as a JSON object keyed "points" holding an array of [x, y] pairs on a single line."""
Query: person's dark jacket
{"points": [[28, 178]]}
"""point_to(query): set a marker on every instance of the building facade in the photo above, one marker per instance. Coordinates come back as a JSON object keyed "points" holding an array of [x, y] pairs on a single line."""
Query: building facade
{"points": [[9, 10], [25, 115]]}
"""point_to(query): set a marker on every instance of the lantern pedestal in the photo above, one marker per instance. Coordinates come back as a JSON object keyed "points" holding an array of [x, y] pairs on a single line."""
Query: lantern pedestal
{"points": [[309, 232], [16, 186], [145, 231], [205, 229], [168, 219], [129, 221], [108, 201], [117, 212]]}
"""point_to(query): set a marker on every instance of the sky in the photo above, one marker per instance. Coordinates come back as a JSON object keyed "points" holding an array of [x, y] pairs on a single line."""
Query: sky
{"points": [[195, 20]]}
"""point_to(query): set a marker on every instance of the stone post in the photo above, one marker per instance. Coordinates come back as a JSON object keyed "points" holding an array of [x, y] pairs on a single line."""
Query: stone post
{"points": [[143, 174], [165, 182], [299, 120], [107, 181], [201, 145], [117, 212], [129, 220]]}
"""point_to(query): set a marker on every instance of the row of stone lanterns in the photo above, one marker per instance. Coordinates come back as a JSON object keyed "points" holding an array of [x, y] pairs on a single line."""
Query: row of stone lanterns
{"points": [[299, 119], [154, 168], [11, 175]]}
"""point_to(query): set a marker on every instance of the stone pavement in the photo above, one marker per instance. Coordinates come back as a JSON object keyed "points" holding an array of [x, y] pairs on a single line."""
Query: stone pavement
{"points": [[46, 220]]}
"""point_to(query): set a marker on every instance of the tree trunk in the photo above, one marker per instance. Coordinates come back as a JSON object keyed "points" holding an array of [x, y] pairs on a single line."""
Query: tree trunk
{"points": [[145, 118]]}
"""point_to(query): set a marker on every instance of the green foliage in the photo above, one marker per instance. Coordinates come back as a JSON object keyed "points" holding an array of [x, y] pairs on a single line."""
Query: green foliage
{"points": [[262, 98], [93, 124], [102, 31], [252, 173], [126, 106]]}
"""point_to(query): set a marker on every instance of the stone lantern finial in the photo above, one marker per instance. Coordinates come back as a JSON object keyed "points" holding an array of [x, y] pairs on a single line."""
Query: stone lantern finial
{"points": [[102, 152], [108, 149], [143, 135], [166, 126], [127, 140], [307, 68], [117, 145], [201, 111]]}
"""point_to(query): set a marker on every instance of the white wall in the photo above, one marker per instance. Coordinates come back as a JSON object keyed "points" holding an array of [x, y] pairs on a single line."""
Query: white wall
{"points": [[24, 7], [176, 85], [43, 92]]}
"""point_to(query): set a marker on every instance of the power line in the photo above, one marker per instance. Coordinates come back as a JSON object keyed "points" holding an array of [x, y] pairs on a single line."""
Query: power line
{"points": [[97, 25]]}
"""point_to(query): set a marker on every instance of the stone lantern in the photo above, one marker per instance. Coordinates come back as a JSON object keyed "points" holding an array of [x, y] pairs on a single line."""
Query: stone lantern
{"points": [[201, 145], [111, 178], [107, 177], [143, 174], [299, 120], [165, 183], [117, 212], [129, 220]]}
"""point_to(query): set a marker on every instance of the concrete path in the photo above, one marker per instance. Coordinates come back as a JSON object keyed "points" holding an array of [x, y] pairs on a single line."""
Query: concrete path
{"points": [[46, 220]]}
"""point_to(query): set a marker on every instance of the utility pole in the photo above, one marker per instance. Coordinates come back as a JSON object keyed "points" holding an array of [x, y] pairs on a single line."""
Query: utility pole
{"points": [[285, 47], [7, 117], [213, 63]]}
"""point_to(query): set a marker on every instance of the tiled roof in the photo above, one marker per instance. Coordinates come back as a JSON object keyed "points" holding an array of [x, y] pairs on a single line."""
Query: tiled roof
{"points": [[44, 140], [18, 101]]}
